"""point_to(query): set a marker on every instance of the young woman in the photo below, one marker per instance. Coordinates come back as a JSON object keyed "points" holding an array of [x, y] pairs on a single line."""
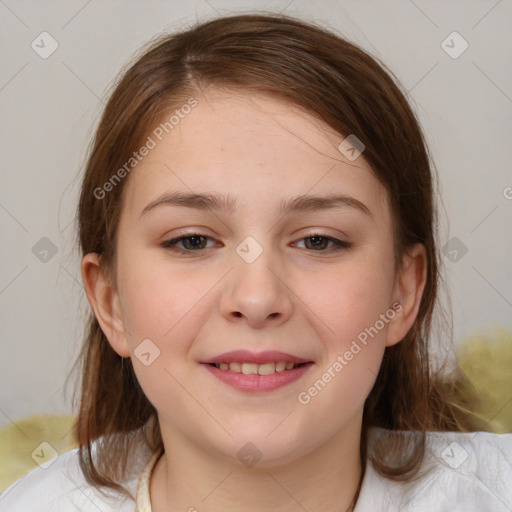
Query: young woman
{"points": [[258, 230]]}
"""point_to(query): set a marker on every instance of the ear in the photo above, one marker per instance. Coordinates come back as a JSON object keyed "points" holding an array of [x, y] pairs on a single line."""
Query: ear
{"points": [[408, 291], [104, 301]]}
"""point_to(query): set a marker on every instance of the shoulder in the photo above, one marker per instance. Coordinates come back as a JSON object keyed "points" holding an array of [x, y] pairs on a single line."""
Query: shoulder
{"points": [[469, 472], [472, 470], [61, 487]]}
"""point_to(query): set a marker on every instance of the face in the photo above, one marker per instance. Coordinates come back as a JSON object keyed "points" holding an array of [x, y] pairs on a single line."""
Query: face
{"points": [[257, 271]]}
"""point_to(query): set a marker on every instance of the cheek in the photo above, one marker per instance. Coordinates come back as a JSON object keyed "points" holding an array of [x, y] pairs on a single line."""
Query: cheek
{"points": [[351, 308], [156, 299], [163, 313], [169, 308], [350, 298]]}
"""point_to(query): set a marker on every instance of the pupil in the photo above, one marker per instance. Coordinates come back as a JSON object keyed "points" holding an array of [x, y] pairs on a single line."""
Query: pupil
{"points": [[316, 241], [193, 241]]}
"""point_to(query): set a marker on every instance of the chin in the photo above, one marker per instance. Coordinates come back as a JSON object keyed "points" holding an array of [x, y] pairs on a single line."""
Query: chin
{"points": [[267, 445]]}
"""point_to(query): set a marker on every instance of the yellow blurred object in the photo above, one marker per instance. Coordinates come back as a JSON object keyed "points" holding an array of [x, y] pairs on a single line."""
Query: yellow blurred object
{"points": [[484, 379], [20, 444]]}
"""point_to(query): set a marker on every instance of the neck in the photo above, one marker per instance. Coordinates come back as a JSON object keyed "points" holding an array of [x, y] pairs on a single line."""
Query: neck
{"points": [[186, 478]]}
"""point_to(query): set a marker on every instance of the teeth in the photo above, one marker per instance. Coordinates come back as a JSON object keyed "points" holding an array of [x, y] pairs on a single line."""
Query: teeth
{"points": [[249, 368], [280, 366], [266, 369], [234, 367], [257, 369]]}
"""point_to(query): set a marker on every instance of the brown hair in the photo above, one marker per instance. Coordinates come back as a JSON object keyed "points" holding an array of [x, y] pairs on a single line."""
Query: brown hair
{"points": [[349, 90]]}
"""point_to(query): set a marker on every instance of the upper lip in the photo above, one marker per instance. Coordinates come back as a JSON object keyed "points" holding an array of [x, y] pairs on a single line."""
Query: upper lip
{"points": [[246, 356]]}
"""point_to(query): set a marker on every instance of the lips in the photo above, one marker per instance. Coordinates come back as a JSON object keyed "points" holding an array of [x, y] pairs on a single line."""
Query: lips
{"points": [[255, 372]]}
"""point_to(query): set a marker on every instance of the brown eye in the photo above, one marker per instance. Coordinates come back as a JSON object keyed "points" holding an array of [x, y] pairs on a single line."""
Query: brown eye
{"points": [[321, 243], [189, 243]]}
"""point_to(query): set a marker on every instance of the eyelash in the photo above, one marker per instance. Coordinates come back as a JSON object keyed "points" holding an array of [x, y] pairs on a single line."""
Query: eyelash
{"points": [[339, 245]]}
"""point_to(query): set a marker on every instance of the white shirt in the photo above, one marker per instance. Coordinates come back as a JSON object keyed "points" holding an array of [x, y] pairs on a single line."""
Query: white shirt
{"points": [[472, 472]]}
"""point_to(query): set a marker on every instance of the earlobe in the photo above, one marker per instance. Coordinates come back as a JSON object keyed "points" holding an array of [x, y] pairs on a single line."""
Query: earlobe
{"points": [[104, 301], [409, 287]]}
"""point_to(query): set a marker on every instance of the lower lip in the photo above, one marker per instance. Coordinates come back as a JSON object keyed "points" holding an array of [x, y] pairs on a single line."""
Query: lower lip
{"points": [[257, 383]]}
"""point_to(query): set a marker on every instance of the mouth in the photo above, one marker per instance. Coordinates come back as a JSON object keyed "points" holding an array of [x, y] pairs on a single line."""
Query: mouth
{"points": [[258, 369], [257, 372]]}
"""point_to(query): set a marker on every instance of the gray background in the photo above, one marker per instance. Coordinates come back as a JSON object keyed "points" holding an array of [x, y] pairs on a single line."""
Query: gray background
{"points": [[50, 107]]}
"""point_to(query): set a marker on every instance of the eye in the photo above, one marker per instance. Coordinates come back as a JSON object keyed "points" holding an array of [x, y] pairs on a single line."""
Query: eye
{"points": [[319, 243], [193, 242]]}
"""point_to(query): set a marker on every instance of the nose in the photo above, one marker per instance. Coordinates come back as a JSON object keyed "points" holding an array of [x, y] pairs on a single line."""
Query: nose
{"points": [[257, 293]]}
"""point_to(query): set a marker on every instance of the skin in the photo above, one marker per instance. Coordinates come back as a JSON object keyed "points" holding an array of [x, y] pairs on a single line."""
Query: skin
{"points": [[294, 297]]}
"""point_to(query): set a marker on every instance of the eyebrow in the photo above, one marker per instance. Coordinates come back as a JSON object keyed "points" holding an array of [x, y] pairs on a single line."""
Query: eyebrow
{"points": [[211, 201]]}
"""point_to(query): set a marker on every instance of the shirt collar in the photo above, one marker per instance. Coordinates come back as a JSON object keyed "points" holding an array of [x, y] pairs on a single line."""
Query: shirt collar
{"points": [[143, 501]]}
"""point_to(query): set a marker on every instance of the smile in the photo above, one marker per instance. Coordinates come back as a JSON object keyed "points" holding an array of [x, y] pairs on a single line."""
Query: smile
{"points": [[257, 369], [257, 378]]}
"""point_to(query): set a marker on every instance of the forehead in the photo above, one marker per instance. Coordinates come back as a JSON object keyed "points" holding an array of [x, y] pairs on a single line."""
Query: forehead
{"points": [[255, 147]]}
